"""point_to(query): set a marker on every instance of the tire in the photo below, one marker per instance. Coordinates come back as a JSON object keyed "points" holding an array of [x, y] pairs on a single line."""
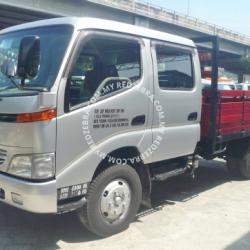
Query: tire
{"points": [[103, 219], [233, 167], [238, 159]]}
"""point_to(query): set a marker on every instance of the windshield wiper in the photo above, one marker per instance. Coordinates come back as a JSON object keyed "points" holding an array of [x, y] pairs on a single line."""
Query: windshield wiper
{"points": [[19, 87], [14, 83]]}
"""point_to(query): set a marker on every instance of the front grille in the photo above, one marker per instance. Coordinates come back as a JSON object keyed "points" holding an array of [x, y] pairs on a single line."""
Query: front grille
{"points": [[3, 156]]}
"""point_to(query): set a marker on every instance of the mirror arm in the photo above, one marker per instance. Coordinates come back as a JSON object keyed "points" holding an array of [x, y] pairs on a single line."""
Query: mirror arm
{"points": [[22, 82]]}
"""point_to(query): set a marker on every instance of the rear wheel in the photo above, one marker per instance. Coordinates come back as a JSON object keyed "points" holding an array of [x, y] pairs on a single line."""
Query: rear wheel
{"points": [[238, 159], [113, 200]]}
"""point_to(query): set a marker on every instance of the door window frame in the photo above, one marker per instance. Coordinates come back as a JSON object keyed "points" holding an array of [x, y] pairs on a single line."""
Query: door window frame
{"points": [[82, 39], [182, 48]]}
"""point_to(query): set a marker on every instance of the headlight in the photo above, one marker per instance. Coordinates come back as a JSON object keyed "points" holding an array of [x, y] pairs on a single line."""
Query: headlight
{"points": [[36, 166]]}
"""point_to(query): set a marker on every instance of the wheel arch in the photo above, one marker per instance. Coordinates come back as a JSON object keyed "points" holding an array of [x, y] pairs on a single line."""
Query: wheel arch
{"points": [[117, 157]]}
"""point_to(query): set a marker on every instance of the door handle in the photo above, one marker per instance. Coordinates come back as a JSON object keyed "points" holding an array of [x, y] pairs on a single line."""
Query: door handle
{"points": [[193, 116], [138, 120]]}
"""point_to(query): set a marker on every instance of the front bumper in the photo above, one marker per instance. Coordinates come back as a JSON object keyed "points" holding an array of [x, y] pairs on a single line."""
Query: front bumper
{"points": [[35, 197]]}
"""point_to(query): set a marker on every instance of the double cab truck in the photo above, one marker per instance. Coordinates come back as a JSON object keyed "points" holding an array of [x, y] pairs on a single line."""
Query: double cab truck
{"points": [[92, 112]]}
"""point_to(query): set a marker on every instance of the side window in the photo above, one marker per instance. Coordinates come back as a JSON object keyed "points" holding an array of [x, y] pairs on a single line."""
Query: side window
{"points": [[105, 65], [175, 70]]}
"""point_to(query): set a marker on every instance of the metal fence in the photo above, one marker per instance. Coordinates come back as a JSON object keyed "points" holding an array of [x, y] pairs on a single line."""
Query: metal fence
{"points": [[159, 13]]}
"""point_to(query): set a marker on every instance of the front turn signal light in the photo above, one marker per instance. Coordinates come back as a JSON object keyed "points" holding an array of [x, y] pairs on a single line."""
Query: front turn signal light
{"points": [[46, 115]]}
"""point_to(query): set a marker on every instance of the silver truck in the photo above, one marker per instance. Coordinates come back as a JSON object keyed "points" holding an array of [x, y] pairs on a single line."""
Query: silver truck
{"points": [[91, 113]]}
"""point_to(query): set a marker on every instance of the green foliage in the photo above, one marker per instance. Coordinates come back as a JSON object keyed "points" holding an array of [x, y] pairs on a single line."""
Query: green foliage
{"points": [[245, 64]]}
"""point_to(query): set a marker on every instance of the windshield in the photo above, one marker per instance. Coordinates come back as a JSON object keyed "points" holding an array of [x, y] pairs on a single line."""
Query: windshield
{"points": [[54, 41]]}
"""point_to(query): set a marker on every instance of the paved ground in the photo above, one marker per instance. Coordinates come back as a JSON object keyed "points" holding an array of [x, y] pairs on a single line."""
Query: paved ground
{"points": [[209, 213]]}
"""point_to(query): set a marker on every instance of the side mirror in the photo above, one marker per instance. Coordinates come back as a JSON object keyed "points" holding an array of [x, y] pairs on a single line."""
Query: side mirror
{"points": [[8, 68], [29, 57]]}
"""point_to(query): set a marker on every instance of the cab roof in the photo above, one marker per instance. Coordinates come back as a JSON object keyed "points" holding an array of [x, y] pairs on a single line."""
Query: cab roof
{"points": [[81, 23]]}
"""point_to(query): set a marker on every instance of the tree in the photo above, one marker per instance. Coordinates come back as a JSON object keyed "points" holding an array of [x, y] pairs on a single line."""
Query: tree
{"points": [[245, 64]]}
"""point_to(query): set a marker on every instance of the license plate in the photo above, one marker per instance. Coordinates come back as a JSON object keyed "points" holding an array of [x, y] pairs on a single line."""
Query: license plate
{"points": [[72, 191]]}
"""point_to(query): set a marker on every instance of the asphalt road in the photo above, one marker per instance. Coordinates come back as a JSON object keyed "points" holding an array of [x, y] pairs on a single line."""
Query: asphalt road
{"points": [[209, 213]]}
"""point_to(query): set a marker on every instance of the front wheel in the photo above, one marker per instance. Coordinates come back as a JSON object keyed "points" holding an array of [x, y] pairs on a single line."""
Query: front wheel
{"points": [[113, 200]]}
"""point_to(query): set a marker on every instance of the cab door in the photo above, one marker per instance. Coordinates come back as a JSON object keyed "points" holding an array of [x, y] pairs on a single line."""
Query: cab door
{"points": [[177, 93], [103, 106]]}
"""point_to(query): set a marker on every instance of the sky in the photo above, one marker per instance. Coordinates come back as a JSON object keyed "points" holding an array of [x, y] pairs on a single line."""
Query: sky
{"points": [[231, 14]]}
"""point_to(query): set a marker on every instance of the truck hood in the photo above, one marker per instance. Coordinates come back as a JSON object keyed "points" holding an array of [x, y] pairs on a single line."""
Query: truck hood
{"points": [[21, 134]]}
